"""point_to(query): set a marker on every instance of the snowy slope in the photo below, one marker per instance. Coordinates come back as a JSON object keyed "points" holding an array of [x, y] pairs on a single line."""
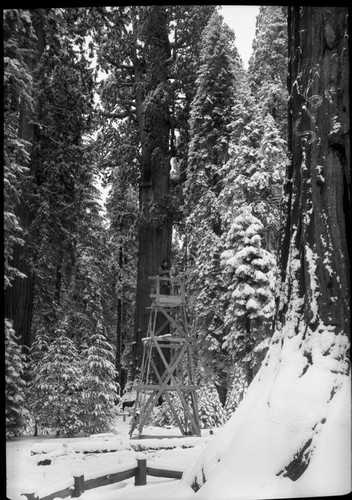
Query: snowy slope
{"points": [[288, 403]]}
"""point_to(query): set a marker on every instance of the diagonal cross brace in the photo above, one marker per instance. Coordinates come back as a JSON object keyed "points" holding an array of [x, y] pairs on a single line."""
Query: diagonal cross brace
{"points": [[163, 383]]}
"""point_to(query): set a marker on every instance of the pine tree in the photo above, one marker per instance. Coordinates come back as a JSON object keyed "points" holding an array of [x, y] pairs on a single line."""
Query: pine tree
{"points": [[99, 387], [15, 409]]}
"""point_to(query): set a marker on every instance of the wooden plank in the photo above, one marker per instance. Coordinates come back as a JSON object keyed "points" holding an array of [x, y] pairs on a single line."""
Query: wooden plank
{"points": [[155, 387], [174, 474], [110, 479], [59, 494]]}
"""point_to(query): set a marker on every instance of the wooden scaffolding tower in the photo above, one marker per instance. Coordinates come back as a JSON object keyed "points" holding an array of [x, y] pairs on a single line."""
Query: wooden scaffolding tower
{"points": [[167, 360]]}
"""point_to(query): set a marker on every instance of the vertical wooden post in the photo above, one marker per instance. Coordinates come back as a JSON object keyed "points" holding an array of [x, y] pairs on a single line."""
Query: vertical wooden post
{"points": [[78, 486], [141, 474], [157, 286]]}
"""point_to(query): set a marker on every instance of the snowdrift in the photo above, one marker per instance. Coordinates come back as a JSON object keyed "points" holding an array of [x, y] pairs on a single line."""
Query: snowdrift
{"points": [[291, 434]]}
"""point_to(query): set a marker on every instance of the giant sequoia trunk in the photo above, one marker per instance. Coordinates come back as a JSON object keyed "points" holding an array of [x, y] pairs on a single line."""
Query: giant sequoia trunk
{"points": [[318, 187], [155, 224], [19, 297], [290, 435]]}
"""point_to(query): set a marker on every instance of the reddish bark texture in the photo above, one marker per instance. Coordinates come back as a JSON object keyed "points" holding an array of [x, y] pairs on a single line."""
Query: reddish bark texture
{"points": [[318, 180], [155, 224], [19, 297]]}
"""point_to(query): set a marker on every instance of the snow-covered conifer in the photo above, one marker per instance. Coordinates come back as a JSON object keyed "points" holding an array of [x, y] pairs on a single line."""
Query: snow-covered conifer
{"points": [[210, 410], [59, 385], [210, 129], [15, 410], [99, 384], [236, 390], [267, 68], [34, 394], [249, 271]]}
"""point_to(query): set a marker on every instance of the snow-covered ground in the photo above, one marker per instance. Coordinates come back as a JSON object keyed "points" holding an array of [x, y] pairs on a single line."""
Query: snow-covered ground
{"points": [[238, 463], [67, 459]]}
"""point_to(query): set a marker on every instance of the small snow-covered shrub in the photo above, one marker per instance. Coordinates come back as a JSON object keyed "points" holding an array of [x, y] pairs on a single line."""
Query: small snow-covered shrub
{"points": [[163, 416], [210, 410]]}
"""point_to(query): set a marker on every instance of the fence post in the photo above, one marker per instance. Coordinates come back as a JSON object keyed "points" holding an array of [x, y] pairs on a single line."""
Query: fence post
{"points": [[141, 474], [78, 486]]}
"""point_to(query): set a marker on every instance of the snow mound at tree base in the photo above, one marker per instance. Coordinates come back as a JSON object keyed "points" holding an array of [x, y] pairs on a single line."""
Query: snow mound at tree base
{"points": [[290, 436]]}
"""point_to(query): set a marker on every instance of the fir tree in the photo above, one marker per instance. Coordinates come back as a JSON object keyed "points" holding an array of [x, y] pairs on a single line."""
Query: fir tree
{"points": [[250, 271], [254, 175], [15, 410], [210, 119], [99, 386], [267, 69], [59, 385], [37, 354], [210, 410]]}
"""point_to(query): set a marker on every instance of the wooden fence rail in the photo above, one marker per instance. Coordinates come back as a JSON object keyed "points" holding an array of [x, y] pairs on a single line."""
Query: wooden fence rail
{"points": [[140, 473]]}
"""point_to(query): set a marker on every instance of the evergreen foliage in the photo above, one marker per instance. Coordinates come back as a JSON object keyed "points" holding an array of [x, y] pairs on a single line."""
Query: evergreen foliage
{"points": [[210, 119], [250, 271], [58, 386], [237, 389], [34, 395], [210, 410], [254, 175], [268, 64], [100, 390], [119, 94], [18, 91], [16, 413]]}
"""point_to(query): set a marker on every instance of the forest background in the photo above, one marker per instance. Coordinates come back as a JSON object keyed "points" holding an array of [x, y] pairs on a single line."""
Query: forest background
{"points": [[194, 150]]}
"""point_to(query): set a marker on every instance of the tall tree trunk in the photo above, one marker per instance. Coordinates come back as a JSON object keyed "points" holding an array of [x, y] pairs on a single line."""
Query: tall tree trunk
{"points": [[155, 224], [119, 325], [319, 179], [19, 297]]}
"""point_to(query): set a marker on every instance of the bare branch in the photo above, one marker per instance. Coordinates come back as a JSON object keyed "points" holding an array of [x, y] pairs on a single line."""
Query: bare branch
{"points": [[116, 64], [117, 116]]}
